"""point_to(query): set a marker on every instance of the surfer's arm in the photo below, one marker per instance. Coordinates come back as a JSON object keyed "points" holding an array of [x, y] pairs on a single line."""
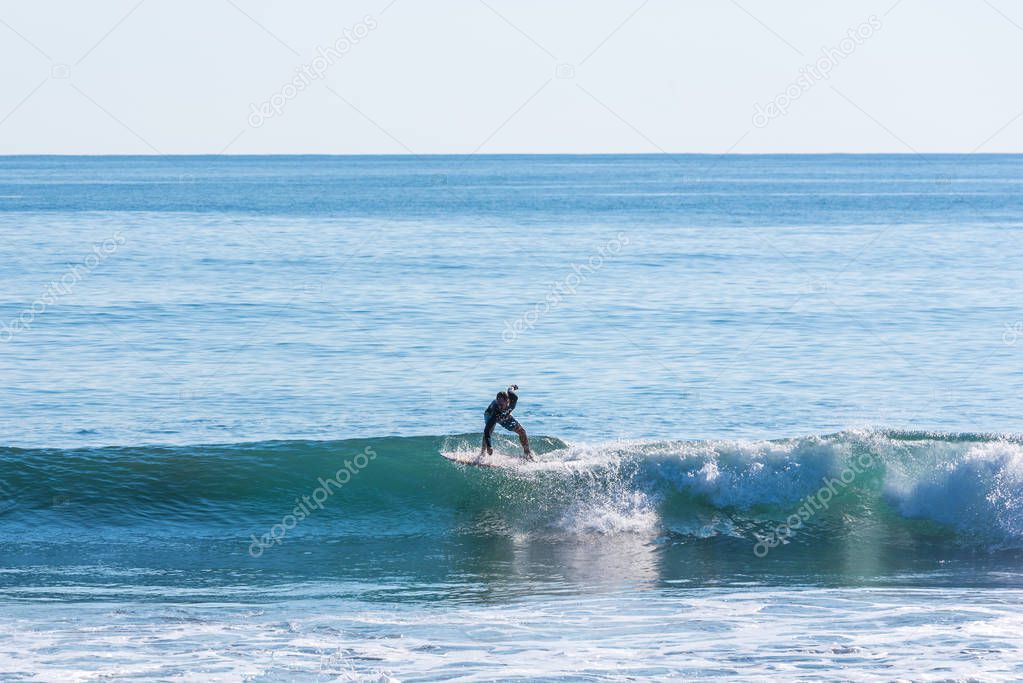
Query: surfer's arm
{"points": [[491, 421], [513, 398]]}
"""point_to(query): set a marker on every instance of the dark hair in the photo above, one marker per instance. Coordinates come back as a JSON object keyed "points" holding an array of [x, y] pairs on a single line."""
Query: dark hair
{"points": [[503, 394]]}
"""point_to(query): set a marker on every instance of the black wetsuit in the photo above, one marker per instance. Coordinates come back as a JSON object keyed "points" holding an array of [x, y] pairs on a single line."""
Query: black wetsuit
{"points": [[495, 415]]}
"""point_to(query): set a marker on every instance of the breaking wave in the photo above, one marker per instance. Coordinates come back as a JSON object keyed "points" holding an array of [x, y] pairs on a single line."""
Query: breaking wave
{"points": [[958, 488]]}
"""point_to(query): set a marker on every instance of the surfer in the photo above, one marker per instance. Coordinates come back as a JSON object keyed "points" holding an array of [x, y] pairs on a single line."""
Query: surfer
{"points": [[499, 412]]}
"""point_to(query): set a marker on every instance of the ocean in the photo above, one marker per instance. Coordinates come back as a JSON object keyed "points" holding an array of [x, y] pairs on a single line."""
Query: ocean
{"points": [[775, 402]]}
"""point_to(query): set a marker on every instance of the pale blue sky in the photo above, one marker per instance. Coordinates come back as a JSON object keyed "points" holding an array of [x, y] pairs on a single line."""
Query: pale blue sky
{"points": [[497, 76]]}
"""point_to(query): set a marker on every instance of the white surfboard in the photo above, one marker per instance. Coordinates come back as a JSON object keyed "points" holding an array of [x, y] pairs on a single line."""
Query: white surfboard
{"points": [[474, 459]]}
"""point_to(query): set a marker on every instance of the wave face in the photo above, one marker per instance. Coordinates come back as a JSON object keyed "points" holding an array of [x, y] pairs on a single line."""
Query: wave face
{"points": [[964, 490]]}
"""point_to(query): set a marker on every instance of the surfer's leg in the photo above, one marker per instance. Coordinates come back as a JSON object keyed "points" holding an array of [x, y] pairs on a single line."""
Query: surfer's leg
{"points": [[512, 425], [524, 440]]}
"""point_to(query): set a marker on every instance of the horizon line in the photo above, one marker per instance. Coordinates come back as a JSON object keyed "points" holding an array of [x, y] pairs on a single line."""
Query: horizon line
{"points": [[498, 154]]}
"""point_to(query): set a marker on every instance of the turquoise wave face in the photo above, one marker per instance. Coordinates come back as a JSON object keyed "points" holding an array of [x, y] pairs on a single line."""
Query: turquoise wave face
{"points": [[957, 491]]}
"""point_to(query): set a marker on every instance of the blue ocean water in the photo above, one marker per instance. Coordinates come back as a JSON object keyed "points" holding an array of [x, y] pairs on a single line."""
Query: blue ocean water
{"points": [[775, 400]]}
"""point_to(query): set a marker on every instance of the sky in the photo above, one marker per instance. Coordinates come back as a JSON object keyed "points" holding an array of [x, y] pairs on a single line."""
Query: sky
{"points": [[510, 76]]}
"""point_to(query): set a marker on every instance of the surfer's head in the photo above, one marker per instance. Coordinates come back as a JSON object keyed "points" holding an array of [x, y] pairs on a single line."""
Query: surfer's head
{"points": [[502, 399]]}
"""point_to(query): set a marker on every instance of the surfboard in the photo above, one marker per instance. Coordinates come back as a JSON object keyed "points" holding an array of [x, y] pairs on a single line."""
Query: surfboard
{"points": [[474, 459]]}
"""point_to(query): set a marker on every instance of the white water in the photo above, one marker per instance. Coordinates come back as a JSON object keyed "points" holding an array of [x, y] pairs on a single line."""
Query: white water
{"points": [[970, 486], [676, 633]]}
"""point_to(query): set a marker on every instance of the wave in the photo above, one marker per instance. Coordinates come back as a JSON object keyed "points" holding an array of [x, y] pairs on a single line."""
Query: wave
{"points": [[958, 488]]}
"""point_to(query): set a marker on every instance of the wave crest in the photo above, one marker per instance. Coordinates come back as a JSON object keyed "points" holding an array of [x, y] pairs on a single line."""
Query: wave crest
{"points": [[966, 486]]}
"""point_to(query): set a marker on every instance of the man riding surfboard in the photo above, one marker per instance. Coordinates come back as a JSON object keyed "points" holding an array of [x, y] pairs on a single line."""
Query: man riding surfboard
{"points": [[499, 412]]}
